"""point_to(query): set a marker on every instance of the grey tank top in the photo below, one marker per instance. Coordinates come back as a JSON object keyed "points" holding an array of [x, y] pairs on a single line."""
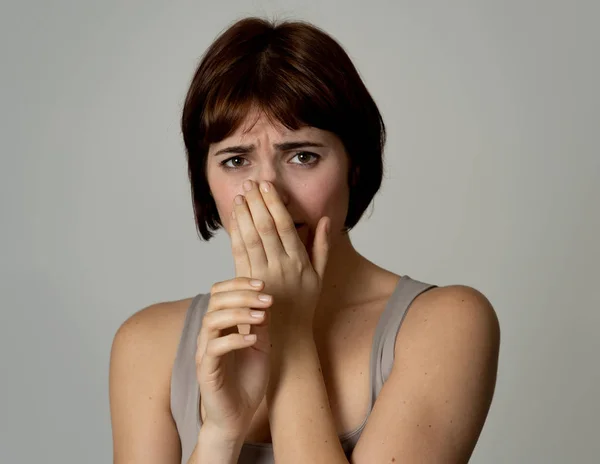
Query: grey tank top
{"points": [[185, 393]]}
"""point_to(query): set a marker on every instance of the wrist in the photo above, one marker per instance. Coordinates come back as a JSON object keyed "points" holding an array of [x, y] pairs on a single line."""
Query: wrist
{"points": [[216, 445]]}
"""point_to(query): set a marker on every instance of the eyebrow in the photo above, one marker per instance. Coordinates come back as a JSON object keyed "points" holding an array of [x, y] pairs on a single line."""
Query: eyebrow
{"points": [[244, 149]]}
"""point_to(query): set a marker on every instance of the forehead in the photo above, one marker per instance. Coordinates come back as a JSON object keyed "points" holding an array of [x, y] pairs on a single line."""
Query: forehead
{"points": [[258, 125]]}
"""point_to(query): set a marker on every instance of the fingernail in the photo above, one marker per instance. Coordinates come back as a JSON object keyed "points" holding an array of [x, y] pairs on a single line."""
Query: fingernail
{"points": [[247, 186], [250, 337], [257, 313], [264, 186], [239, 199], [256, 283], [263, 297]]}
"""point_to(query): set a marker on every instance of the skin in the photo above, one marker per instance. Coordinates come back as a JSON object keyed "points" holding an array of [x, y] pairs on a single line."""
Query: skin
{"points": [[266, 246], [432, 407], [308, 193]]}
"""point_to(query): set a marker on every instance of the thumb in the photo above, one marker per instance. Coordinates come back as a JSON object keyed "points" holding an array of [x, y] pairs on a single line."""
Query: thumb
{"points": [[320, 249]]}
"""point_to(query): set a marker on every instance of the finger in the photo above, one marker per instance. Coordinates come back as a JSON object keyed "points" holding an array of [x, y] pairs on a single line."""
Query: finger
{"points": [[223, 301], [238, 299], [249, 234], [218, 347], [241, 259], [320, 249], [284, 223], [238, 283], [262, 333], [264, 223], [228, 318]]}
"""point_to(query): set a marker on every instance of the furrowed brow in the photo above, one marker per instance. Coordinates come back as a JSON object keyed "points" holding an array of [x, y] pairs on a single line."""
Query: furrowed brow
{"points": [[286, 146]]}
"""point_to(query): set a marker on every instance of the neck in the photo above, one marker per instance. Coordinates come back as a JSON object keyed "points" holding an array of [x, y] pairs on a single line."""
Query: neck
{"points": [[346, 275]]}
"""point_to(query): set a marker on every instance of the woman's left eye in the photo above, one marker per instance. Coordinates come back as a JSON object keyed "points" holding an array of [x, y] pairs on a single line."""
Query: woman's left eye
{"points": [[314, 155], [302, 154]]}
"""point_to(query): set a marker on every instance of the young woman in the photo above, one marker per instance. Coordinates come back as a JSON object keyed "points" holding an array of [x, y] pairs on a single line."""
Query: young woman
{"points": [[347, 361]]}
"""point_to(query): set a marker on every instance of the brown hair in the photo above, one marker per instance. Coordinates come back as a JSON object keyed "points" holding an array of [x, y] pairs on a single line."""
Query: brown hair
{"points": [[297, 75]]}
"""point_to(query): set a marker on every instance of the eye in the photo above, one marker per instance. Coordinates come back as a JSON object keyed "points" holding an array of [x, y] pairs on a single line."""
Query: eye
{"points": [[301, 155], [231, 168], [304, 155]]}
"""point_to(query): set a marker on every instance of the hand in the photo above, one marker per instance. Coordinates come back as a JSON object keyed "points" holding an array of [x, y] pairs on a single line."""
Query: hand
{"points": [[266, 246], [232, 373]]}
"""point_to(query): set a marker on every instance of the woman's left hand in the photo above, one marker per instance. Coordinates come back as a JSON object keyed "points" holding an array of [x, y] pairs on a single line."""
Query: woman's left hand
{"points": [[266, 246]]}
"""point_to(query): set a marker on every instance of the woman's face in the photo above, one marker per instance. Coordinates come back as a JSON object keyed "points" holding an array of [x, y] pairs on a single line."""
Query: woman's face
{"points": [[311, 180]]}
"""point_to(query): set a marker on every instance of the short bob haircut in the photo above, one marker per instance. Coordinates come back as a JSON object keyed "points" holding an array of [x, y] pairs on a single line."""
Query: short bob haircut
{"points": [[295, 74]]}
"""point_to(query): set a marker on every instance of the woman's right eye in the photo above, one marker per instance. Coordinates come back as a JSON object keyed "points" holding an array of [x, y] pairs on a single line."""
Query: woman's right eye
{"points": [[231, 168]]}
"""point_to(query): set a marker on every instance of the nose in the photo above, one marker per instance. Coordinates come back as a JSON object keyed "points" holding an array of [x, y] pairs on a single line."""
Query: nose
{"points": [[281, 190]]}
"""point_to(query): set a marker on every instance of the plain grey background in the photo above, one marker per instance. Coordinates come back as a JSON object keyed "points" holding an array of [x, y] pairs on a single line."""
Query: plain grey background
{"points": [[493, 181]]}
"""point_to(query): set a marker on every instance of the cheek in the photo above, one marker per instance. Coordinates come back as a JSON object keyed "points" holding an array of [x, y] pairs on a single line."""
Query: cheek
{"points": [[331, 200], [223, 197], [324, 194]]}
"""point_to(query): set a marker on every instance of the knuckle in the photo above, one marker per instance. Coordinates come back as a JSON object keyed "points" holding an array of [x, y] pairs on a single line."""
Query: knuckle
{"points": [[218, 287], [299, 266], [210, 348], [208, 320], [212, 303], [231, 337], [244, 282], [254, 242], [287, 228], [266, 227], [214, 288], [243, 313], [238, 250]]}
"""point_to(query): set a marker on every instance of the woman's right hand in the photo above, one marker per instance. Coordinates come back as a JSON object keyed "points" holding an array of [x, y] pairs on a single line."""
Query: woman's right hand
{"points": [[232, 372]]}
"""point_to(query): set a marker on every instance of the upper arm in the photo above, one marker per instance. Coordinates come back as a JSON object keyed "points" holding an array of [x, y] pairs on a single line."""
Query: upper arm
{"points": [[141, 360], [433, 406]]}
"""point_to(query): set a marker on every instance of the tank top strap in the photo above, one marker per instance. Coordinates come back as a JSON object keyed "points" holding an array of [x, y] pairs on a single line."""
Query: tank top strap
{"points": [[384, 339], [184, 390]]}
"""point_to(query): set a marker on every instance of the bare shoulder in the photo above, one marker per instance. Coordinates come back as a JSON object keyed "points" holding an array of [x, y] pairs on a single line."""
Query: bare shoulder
{"points": [[447, 320], [158, 318], [155, 330], [448, 356], [141, 360], [437, 397], [457, 311]]}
